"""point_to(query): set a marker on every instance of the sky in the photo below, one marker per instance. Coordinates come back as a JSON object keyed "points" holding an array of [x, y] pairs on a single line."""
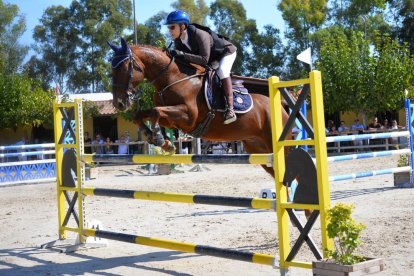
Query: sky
{"points": [[263, 11]]}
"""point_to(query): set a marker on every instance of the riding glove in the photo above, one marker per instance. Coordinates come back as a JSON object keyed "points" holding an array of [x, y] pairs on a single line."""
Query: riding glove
{"points": [[175, 53]]}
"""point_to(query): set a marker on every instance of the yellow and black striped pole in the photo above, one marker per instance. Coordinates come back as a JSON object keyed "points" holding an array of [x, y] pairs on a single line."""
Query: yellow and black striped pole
{"points": [[258, 159], [247, 202], [184, 247]]}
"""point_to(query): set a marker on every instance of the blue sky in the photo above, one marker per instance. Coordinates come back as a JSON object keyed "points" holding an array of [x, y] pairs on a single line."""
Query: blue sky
{"points": [[264, 12]]}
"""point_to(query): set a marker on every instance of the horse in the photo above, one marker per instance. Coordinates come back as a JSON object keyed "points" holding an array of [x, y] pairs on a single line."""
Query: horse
{"points": [[180, 102]]}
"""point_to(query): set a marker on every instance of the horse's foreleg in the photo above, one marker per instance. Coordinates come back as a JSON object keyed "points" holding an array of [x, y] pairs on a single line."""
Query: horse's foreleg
{"points": [[167, 116], [139, 119], [153, 136]]}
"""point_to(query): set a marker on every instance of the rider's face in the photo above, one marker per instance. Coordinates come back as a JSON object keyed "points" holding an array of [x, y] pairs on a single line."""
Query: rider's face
{"points": [[174, 30]]}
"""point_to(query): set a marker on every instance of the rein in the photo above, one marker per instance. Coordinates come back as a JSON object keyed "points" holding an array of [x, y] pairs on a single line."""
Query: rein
{"points": [[160, 93], [132, 62]]}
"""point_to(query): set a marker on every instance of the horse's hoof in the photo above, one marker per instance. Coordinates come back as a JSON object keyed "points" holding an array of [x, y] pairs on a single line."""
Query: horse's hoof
{"points": [[170, 150]]}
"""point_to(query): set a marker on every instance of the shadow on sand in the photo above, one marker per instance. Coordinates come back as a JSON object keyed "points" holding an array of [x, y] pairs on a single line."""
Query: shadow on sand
{"points": [[38, 262]]}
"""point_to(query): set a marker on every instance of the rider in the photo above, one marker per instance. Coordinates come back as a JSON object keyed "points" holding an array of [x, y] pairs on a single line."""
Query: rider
{"points": [[194, 44]]}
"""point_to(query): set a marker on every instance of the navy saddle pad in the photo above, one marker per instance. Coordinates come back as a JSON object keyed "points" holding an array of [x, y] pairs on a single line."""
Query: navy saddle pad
{"points": [[242, 100]]}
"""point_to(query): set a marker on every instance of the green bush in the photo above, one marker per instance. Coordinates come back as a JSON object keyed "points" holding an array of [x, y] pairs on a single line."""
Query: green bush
{"points": [[403, 160], [345, 232]]}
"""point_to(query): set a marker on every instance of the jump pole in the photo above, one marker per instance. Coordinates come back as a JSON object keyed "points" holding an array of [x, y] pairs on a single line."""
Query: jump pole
{"points": [[409, 109]]}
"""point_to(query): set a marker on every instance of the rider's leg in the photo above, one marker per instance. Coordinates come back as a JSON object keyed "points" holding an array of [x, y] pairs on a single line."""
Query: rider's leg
{"points": [[229, 116], [224, 73]]}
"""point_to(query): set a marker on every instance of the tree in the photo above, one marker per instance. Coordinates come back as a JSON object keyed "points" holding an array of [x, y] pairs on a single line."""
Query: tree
{"points": [[197, 12], [404, 21], [347, 13], [23, 102], [267, 55], [229, 19], [12, 26], [56, 44], [363, 81], [303, 18], [96, 22], [150, 32], [72, 45]]}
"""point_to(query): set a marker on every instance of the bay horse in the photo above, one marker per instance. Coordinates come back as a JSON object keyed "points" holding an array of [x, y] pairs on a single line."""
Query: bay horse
{"points": [[180, 102]]}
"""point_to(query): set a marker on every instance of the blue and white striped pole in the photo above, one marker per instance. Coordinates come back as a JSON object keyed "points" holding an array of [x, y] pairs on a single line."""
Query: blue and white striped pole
{"points": [[304, 133], [367, 136], [368, 155], [409, 123], [368, 174]]}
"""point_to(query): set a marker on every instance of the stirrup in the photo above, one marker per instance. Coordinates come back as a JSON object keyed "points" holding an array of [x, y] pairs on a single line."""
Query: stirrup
{"points": [[229, 116]]}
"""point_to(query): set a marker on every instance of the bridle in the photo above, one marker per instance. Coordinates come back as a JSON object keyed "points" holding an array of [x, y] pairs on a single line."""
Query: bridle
{"points": [[134, 63]]}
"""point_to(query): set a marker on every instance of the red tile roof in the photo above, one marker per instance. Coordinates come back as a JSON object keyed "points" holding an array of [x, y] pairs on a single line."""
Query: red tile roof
{"points": [[106, 107]]}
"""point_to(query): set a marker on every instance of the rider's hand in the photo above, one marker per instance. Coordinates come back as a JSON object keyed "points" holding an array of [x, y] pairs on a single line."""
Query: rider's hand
{"points": [[175, 53]]}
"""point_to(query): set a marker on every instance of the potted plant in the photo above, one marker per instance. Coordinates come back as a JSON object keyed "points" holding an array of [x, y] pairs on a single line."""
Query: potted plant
{"points": [[402, 179], [342, 260]]}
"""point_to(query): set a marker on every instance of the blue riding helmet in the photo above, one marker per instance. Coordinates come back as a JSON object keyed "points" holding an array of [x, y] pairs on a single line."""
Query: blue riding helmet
{"points": [[177, 17]]}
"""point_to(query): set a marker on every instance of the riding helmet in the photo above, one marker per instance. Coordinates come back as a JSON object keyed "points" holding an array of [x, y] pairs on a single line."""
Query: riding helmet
{"points": [[177, 17]]}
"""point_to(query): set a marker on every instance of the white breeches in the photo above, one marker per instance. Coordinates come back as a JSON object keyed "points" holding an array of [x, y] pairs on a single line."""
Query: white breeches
{"points": [[225, 65]]}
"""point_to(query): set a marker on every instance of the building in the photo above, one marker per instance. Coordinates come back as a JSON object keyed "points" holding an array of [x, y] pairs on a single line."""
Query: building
{"points": [[107, 124]]}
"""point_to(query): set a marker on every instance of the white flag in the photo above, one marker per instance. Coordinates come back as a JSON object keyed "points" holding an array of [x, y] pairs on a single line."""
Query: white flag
{"points": [[306, 56]]}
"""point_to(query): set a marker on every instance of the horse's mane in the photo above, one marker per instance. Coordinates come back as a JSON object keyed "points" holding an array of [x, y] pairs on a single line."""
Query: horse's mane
{"points": [[180, 63], [150, 47]]}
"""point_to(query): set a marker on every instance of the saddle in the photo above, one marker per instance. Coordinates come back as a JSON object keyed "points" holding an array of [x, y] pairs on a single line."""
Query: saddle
{"points": [[215, 99]]}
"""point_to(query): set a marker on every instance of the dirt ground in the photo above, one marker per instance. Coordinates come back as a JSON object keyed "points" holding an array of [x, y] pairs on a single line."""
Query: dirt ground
{"points": [[28, 218]]}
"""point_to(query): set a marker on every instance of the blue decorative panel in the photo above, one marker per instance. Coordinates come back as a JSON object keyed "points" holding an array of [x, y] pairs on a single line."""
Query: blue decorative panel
{"points": [[18, 172]]}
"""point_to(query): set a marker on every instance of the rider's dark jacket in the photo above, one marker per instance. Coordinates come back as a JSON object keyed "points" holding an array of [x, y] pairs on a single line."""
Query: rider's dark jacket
{"points": [[203, 49]]}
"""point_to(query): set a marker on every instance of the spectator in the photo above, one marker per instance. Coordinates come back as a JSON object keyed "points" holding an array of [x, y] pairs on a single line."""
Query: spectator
{"points": [[127, 136], [21, 143], [357, 126], [122, 147], [98, 145], [333, 131], [375, 125], [343, 127], [394, 125], [330, 125], [108, 146], [39, 156], [87, 142], [386, 124], [395, 141]]}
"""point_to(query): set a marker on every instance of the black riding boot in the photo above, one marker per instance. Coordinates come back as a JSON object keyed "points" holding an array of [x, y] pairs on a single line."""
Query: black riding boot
{"points": [[229, 115]]}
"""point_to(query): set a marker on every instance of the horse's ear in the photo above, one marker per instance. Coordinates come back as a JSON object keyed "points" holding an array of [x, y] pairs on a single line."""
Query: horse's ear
{"points": [[113, 47], [124, 44]]}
